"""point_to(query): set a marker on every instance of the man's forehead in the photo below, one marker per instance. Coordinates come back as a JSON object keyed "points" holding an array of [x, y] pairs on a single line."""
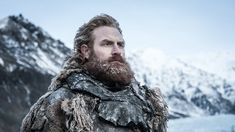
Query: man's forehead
{"points": [[107, 33]]}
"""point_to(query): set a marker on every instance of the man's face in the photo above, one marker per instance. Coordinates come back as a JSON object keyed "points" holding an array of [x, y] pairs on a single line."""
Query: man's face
{"points": [[107, 42], [106, 59]]}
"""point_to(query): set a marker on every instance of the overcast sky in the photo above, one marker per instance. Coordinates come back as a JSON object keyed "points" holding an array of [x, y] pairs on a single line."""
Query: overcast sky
{"points": [[177, 27]]}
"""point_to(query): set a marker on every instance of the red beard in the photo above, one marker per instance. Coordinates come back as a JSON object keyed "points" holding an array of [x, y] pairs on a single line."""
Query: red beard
{"points": [[113, 71]]}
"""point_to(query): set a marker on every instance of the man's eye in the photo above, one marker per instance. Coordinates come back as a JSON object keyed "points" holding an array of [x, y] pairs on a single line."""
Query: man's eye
{"points": [[107, 44], [121, 44]]}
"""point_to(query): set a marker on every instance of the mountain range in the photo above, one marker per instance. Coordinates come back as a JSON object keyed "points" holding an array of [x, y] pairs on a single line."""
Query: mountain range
{"points": [[30, 57], [189, 90]]}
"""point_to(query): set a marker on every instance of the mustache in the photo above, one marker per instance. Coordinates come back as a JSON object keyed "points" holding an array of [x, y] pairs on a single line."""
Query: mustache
{"points": [[116, 58]]}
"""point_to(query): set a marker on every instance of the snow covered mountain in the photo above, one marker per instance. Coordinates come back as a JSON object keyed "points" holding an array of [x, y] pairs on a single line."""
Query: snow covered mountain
{"points": [[225, 63], [189, 90], [29, 57], [31, 46]]}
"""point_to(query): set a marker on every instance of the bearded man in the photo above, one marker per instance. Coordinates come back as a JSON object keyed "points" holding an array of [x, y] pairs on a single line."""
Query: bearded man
{"points": [[96, 89]]}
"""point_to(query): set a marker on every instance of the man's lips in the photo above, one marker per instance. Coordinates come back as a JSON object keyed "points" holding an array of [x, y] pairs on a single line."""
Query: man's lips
{"points": [[116, 58]]}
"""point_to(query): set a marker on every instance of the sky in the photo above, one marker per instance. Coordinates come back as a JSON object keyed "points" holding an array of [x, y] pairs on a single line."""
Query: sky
{"points": [[177, 27]]}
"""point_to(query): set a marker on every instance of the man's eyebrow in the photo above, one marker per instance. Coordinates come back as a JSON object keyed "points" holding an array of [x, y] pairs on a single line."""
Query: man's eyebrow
{"points": [[107, 40]]}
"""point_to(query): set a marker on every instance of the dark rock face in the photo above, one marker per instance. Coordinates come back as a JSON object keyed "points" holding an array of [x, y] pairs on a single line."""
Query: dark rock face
{"points": [[29, 57], [19, 90]]}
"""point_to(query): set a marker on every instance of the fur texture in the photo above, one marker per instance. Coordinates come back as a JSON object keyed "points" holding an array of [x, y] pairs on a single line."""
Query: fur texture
{"points": [[78, 116], [74, 114], [159, 121]]}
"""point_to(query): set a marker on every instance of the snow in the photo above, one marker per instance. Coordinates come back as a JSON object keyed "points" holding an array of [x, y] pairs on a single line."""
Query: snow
{"points": [[9, 99], [219, 63], [44, 62], [1, 61], [58, 52], [154, 58], [180, 82], [180, 79], [24, 33], [147, 64], [11, 68], [218, 123], [44, 32], [43, 58], [27, 97], [3, 23], [10, 42], [35, 44], [22, 63]]}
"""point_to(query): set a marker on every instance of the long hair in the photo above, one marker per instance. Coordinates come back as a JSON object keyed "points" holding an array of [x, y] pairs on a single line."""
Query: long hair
{"points": [[84, 36], [75, 61]]}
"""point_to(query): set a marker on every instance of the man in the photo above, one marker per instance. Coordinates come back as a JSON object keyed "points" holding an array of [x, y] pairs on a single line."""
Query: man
{"points": [[96, 90]]}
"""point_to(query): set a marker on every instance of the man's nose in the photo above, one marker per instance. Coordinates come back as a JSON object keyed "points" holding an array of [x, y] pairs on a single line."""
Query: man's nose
{"points": [[116, 50]]}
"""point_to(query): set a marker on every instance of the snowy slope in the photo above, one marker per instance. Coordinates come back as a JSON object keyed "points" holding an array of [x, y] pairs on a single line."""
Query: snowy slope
{"points": [[218, 123], [31, 46], [219, 63], [189, 90]]}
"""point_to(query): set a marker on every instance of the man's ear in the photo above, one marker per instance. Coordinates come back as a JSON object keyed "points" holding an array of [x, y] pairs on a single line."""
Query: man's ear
{"points": [[85, 51]]}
